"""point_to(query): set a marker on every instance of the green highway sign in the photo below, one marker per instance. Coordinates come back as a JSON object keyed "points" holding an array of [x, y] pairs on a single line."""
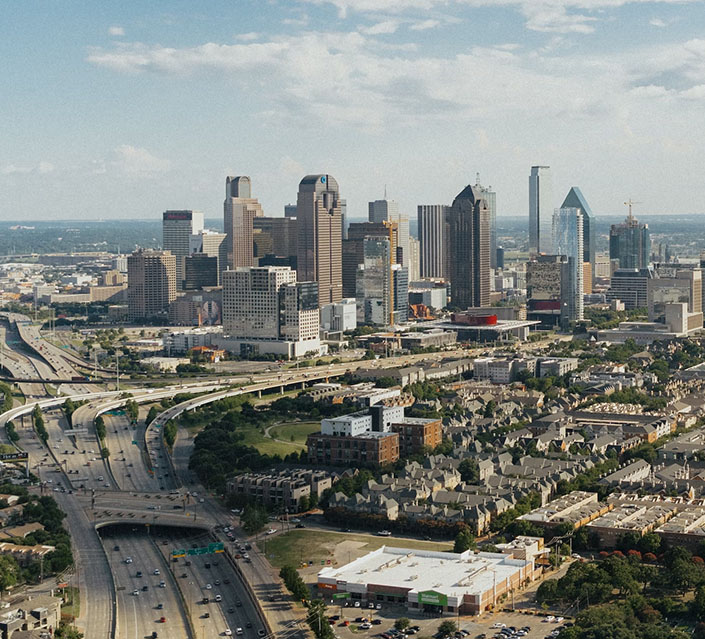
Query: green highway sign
{"points": [[135, 442], [341, 595], [213, 547], [181, 552]]}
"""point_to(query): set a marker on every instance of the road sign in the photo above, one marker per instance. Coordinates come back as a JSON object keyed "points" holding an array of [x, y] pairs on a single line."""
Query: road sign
{"points": [[178, 553], [341, 595], [75, 431], [135, 442], [14, 457], [213, 547]]}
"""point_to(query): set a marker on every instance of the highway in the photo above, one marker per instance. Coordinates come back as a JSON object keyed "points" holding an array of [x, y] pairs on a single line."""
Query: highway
{"points": [[139, 598]]}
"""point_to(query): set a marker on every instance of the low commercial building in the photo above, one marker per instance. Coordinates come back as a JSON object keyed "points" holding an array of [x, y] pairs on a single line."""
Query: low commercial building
{"points": [[286, 488], [428, 339], [468, 583]]}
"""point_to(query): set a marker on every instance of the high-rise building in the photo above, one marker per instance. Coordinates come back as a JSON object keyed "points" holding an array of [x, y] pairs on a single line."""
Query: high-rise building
{"points": [[344, 218], [431, 230], [468, 249], [630, 243], [382, 286], [414, 264], [240, 209], [568, 241], [212, 244], [684, 288], [630, 286], [550, 290], [353, 249], [490, 197], [576, 200], [151, 283], [319, 255], [201, 271], [540, 210], [282, 233], [388, 211], [265, 310], [290, 210], [177, 229]]}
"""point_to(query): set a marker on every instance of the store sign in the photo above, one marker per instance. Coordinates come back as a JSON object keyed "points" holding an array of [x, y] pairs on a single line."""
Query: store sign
{"points": [[433, 598]]}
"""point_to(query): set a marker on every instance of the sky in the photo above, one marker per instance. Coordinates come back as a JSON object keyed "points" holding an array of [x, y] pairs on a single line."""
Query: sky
{"points": [[124, 110]]}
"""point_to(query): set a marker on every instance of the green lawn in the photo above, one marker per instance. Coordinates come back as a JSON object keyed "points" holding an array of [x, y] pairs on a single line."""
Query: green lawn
{"points": [[72, 607], [297, 546], [298, 430]]}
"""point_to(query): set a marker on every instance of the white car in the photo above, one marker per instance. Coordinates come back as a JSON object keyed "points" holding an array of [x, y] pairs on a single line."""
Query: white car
{"points": [[218, 598], [128, 560], [550, 618], [384, 533], [156, 571], [271, 531], [559, 619], [208, 587], [136, 593]]}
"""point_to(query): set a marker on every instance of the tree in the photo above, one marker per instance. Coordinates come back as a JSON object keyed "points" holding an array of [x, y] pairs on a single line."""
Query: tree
{"points": [[447, 628], [153, 412], [402, 623], [100, 427], [318, 620], [469, 470], [253, 519], [8, 571], [464, 541]]}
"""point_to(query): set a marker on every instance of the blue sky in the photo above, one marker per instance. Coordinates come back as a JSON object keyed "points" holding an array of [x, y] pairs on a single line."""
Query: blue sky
{"points": [[126, 109]]}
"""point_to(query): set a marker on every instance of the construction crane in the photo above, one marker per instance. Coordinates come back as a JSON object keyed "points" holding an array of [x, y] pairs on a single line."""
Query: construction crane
{"points": [[630, 203]]}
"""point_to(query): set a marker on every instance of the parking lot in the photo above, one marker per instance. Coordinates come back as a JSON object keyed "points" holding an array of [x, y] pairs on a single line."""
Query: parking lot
{"points": [[364, 622]]}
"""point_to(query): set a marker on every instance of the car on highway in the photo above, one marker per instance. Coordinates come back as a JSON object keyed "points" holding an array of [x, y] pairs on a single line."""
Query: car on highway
{"points": [[162, 620], [261, 633], [139, 574], [128, 560], [162, 584], [135, 593], [218, 598], [156, 571]]}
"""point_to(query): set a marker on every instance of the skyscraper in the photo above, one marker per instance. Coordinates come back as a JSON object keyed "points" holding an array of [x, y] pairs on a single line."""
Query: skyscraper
{"points": [[431, 229], [319, 256], [490, 197], [151, 283], [568, 241], [239, 211], [575, 199], [540, 210], [177, 229], [630, 243], [212, 244], [353, 249], [468, 246], [388, 211]]}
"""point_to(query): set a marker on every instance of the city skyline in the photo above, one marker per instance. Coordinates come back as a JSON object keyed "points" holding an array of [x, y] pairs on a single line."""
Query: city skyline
{"points": [[130, 115]]}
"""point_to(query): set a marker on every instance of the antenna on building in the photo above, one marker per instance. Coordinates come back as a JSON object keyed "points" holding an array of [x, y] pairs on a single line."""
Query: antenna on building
{"points": [[385, 191], [477, 179]]}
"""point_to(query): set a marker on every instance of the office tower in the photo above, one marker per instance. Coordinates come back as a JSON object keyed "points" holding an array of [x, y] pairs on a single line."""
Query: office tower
{"points": [[468, 250], [630, 242], [212, 244], [265, 310], [344, 218], [602, 266], [319, 255], [431, 229], [201, 270], [575, 199], [388, 211], [500, 257], [568, 241], [177, 229], [490, 197], [630, 285], [282, 233], [550, 290], [239, 211], [290, 210], [413, 263], [382, 286], [540, 210], [151, 283], [353, 249], [685, 287]]}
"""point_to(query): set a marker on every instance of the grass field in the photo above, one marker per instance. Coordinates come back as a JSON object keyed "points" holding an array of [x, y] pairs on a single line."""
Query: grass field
{"points": [[72, 607], [295, 433], [298, 546]]}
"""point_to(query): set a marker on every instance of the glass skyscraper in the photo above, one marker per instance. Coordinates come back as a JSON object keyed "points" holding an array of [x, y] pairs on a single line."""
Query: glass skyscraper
{"points": [[568, 241]]}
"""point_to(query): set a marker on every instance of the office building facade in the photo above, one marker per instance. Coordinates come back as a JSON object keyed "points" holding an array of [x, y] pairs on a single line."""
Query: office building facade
{"points": [[630, 286], [151, 283], [630, 243], [431, 219], [211, 244], [239, 211], [490, 197], [468, 249], [568, 241], [540, 210], [353, 249], [319, 247], [550, 290], [388, 211], [576, 200], [177, 229], [201, 271]]}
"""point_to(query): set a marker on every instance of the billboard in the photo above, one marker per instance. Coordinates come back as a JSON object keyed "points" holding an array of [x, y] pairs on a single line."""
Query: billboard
{"points": [[23, 457], [433, 598]]}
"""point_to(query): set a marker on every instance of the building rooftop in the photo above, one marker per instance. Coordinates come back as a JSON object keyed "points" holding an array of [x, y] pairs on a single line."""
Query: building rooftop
{"points": [[454, 575]]}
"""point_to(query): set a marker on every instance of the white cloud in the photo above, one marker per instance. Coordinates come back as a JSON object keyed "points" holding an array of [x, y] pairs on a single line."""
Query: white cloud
{"points": [[116, 31], [135, 160], [247, 37], [381, 28], [13, 169], [423, 25], [658, 22]]}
